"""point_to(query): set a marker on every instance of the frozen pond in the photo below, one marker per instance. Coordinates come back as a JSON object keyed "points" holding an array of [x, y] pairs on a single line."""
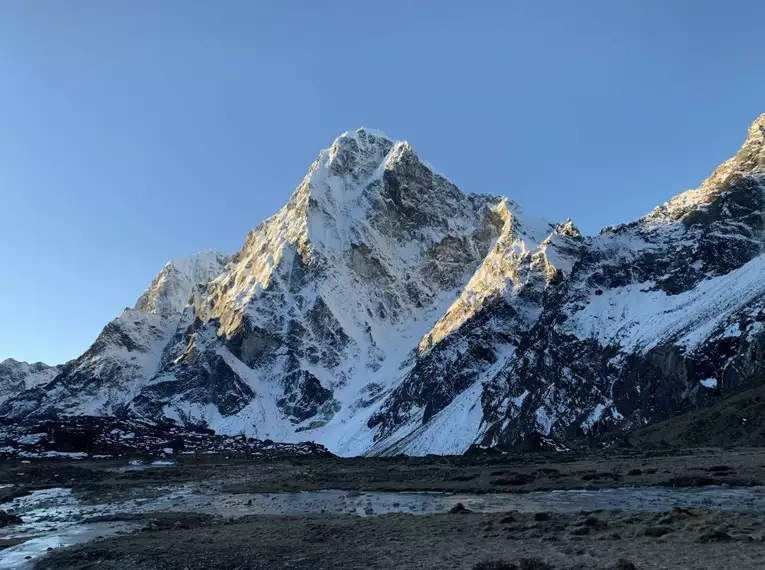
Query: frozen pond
{"points": [[55, 518]]}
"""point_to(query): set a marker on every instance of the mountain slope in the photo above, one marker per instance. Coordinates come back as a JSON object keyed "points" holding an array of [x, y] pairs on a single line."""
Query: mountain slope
{"points": [[127, 352], [479, 332], [659, 315], [16, 376]]}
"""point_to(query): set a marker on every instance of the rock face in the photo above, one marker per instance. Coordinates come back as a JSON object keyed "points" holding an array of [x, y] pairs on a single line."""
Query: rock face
{"points": [[382, 310]]}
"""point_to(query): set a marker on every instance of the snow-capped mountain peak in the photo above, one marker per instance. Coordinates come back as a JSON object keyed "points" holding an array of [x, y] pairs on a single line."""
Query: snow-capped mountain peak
{"points": [[172, 288], [748, 161]]}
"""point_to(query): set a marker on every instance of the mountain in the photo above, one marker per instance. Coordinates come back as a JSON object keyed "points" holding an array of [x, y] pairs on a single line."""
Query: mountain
{"points": [[128, 351], [16, 377], [384, 311], [659, 316]]}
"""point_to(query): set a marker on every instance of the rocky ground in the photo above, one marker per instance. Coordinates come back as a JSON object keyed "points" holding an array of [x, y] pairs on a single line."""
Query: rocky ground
{"points": [[105, 437], [600, 540], [472, 474], [679, 538]]}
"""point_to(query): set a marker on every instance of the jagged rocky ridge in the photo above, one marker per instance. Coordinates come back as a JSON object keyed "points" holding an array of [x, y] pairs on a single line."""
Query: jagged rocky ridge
{"points": [[382, 310]]}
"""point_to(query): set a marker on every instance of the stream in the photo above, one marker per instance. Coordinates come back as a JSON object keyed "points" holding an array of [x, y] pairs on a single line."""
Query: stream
{"points": [[56, 518]]}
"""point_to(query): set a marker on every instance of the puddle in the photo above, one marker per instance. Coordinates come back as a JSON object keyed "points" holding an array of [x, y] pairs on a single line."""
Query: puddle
{"points": [[54, 518], [23, 555], [138, 465]]}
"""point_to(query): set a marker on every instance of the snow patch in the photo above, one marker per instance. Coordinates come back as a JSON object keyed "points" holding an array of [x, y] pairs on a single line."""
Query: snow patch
{"points": [[638, 317], [709, 383]]}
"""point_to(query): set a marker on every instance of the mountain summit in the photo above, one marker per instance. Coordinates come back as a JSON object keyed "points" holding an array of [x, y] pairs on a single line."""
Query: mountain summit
{"points": [[383, 310]]}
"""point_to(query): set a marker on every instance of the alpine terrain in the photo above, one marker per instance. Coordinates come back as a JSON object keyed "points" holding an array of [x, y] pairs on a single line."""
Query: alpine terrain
{"points": [[384, 311]]}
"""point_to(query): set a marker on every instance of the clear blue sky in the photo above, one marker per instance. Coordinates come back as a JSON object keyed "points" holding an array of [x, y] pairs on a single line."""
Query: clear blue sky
{"points": [[135, 131]]}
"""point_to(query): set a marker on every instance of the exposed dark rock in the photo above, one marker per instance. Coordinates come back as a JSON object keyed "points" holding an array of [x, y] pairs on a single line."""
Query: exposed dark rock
{"points": [[718, 535], [303, 395], [7, 519], [657, 531], [523, 564], [112, 437], [623, 564], [459, 509]]}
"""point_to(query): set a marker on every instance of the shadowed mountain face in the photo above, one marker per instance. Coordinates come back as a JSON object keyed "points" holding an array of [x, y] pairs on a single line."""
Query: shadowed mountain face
{"points": [[382, 310]]}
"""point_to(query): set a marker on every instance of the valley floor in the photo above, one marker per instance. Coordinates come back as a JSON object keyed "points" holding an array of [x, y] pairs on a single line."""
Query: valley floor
{"points": [[608, 540], [586, 539]]}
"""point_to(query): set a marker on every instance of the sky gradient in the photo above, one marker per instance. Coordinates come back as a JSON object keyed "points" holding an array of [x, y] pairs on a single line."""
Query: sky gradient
{"points": [[132, 132]]}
